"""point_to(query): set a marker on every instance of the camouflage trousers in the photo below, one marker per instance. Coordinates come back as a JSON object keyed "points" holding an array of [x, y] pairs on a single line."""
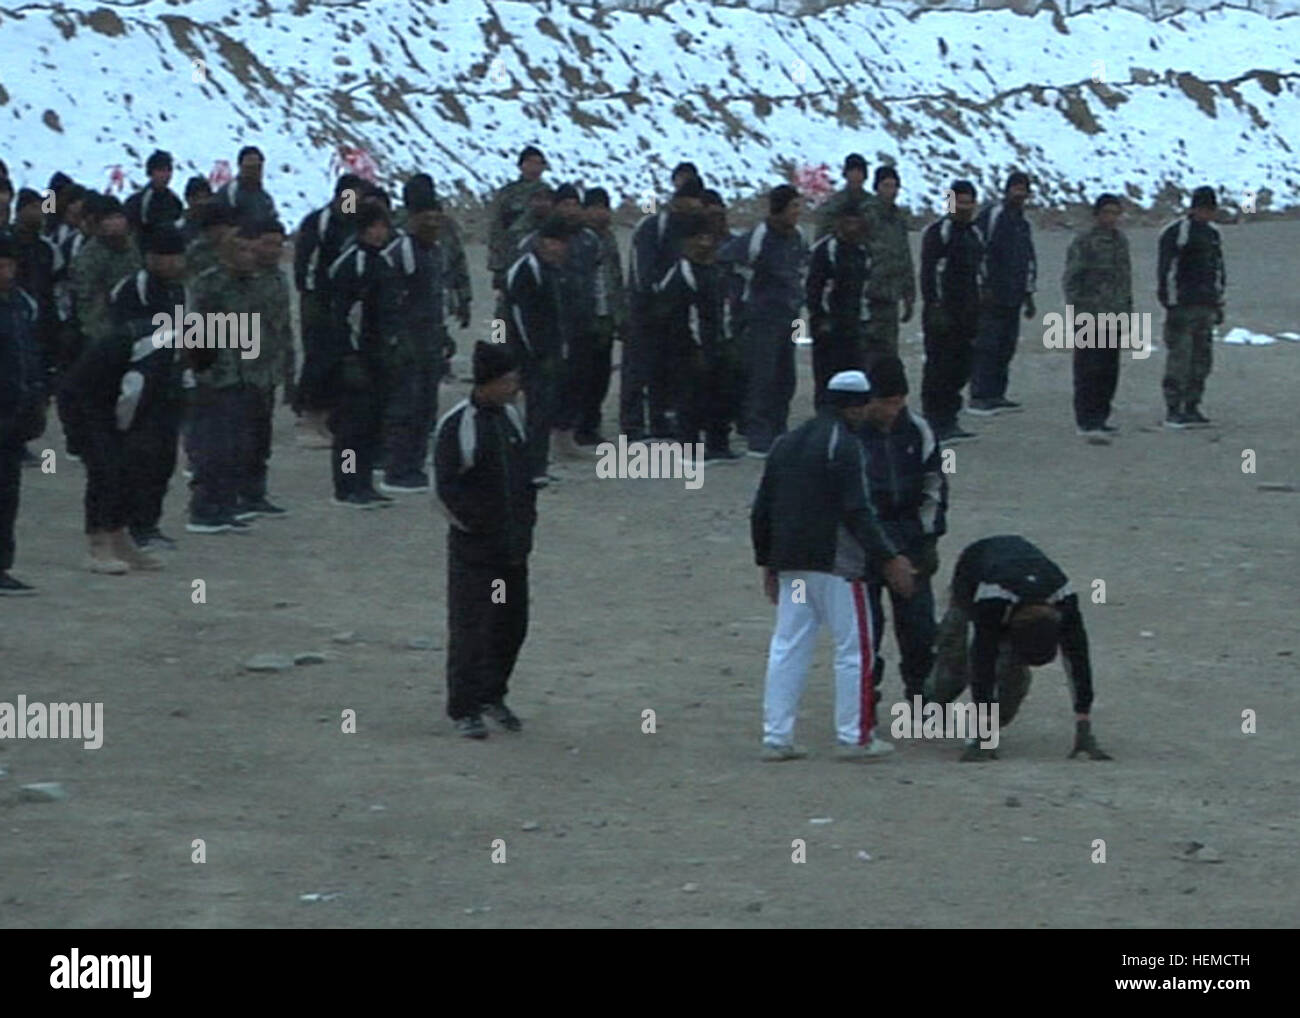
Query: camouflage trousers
{"points": [[880, 331], [1189, 333], [951, 672]]}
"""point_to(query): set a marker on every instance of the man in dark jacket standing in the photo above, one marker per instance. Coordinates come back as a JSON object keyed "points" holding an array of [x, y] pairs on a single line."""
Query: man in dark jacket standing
{"points": [[1022, 609], [951, 249], [838, 270], [484, 486], [245, 194], [156, 203], [910, 494], [1008, 274], [816, 537], [772, 257], [22, 400], [1191, 284]]}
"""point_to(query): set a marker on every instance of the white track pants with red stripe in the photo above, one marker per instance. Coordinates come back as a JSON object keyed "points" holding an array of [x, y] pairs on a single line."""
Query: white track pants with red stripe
{"points": [[806, 602]]}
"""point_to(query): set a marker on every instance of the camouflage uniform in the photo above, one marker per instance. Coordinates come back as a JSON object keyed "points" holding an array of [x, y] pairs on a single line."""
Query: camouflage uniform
{"points": [[200, 256], [1191, 284], [271, 367], [504, 229], [892, 279], [611, 321], [94, 273], [824, 218], [224, 401], [1098, 280]]}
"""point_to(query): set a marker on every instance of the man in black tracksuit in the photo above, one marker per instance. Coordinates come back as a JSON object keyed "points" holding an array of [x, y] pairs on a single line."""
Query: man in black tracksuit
{"points": [[484, 486], [951, 249], [772, 257], [1022, 609], [537, 332], [414, 364], [838, 270], [38, 262], [155, 204], [149, 442], [690, 299], [22, 400], [1008, 275], [655, 246], [364, 325], [910, 493], [321, 237]]}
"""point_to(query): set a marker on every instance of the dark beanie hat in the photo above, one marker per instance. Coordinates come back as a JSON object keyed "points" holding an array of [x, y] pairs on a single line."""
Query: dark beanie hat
{"points": [[108, 205], [491, 361], [888, 378], [8, 248], [885, 173], [197, 185], [529, 151], [566, 192], [1103, 200], [1016, 177], [160, 160], [596, 197], [164, 239], [853, 161], [690, 169], [780, 198], [59, 181], [349, 182], [418, 194], [963, 187], [1204, 197], [25, 197], [1035, 640]]}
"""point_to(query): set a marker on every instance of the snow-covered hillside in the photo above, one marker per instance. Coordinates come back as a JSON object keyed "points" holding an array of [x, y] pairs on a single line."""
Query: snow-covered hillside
{"points": [[617, 97]]}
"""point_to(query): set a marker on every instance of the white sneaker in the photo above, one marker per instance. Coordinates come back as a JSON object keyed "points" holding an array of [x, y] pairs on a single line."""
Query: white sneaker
{"points": [[876, 749]]}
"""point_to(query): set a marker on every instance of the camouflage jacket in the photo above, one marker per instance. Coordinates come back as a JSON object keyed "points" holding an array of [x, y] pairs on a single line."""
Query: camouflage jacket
{"points": [[1098, 276], [455, 268], [611, 297], [219, 291], [93, 274], [893, 276], [274, 363], [504, 229], [200, 256], [824, 218]]}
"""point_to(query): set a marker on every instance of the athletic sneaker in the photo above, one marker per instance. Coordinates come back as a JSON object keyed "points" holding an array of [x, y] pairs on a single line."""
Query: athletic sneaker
{"points": [[1095, 436], [776, 753], [1194, 418], [1007, 406], [541, 481], [237, 525], [504, 716], [376, 497], [354, 500], [953, 433], [9, 587], [1176, 419], [152, 540], [876, 749], [984, 407], [1110, 429], [251, 508], [471, 727], [973, 754], [406, 484], [207, 524]]}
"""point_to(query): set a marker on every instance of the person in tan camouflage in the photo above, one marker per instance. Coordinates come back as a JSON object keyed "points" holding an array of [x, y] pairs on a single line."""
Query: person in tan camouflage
{"points": [[1098, 280], [893, 277], [852, 193], [611, 314], [508, 206]]}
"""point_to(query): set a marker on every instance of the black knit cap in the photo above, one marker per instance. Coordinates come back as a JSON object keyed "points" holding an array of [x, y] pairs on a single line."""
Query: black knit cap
{"points": [[418, 194], [1103, 200], [888, 378], [491, 361], [197, 185], [1035, 640], [596, 197], [164, 239], [1205, 198], [159, 160], [531, 150], [1016, 177], [566, 192], [885, 173], [349, 182], [780, 197], [854, 161], [25, 197]]}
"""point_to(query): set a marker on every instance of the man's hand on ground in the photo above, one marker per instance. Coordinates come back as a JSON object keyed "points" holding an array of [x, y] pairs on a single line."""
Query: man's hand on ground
{"points": [[1086, 742]]}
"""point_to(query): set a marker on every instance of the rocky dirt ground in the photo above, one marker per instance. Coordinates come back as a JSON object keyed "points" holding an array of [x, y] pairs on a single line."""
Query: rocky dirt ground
{"points": [[645, 596]]}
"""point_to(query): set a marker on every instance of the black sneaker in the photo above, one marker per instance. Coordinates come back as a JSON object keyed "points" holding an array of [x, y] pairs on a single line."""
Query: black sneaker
{"points": [[1109, 429], [1007, 406], [377, 499], [1175, 419], [237, 524], [405, 484], [354, 501], [152, 539], [1194, 418], [953, 433], [207, 524], [722, 454], [504, 716], [9, 587], [251, 508], [984, 407], [471, 727]]}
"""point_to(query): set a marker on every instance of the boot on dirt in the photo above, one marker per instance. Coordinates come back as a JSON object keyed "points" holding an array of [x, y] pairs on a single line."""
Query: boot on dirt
{"points": [[101, 558], [124, 549]]}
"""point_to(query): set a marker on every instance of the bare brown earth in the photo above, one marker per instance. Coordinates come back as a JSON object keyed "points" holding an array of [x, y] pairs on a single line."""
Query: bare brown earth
{"points": [[644, 596]]}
